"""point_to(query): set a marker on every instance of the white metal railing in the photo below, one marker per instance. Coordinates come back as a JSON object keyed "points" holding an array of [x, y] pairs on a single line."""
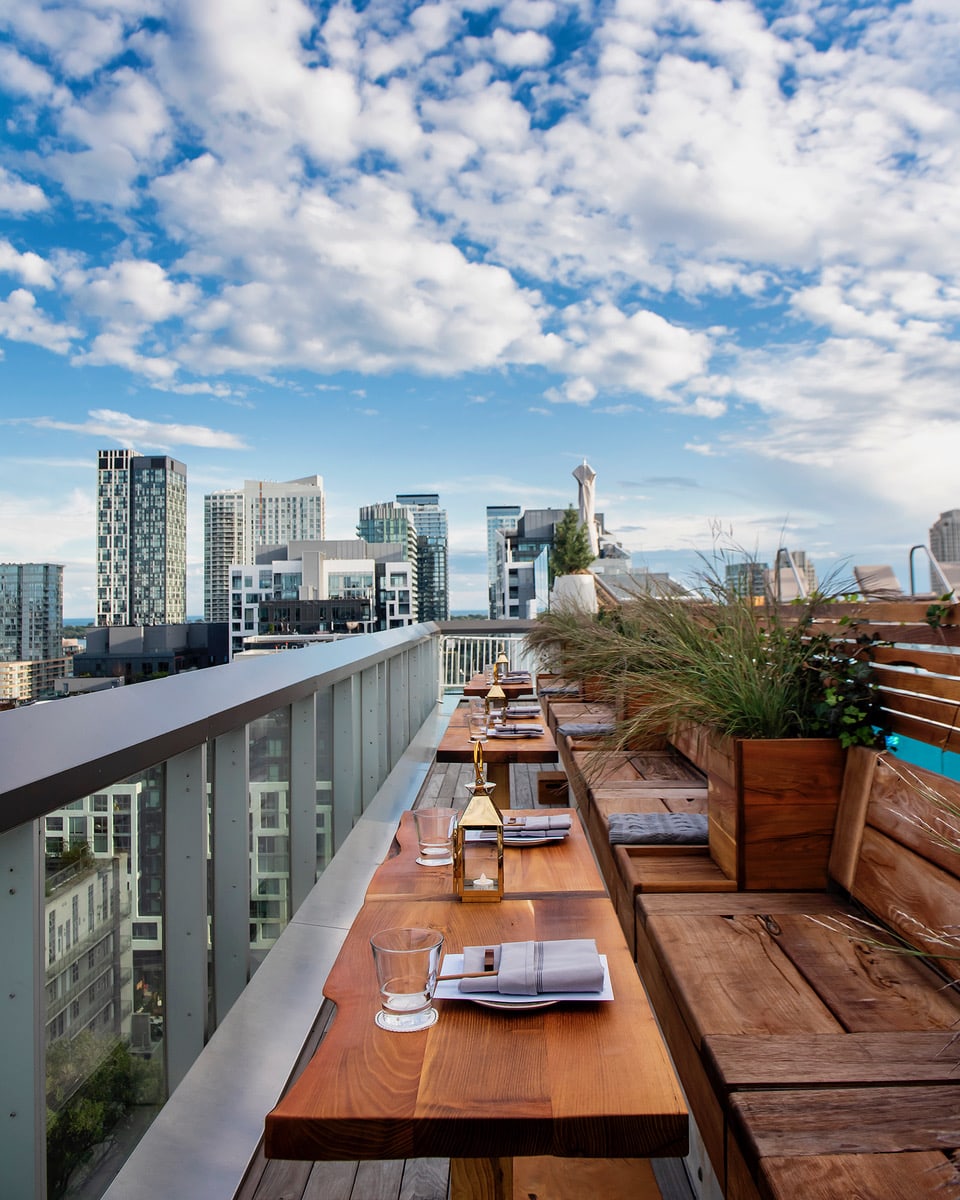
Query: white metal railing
{"points": [[366, 698], [465, 655]]}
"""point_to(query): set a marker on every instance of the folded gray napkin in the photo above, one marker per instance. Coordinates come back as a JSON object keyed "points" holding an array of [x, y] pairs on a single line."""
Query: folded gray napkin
{"points": [[516, 731], [585, 728], [523, 710], [531, 968], [538, 823], [658, 829]]}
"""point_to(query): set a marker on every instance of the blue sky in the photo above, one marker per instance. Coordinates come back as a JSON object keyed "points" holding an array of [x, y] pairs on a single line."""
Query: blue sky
{"points": [[712, 247]]}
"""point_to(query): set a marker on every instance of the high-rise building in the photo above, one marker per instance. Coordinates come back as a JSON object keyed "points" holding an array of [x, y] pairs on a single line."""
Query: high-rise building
{"points": [[141, 539], [433, 588], [747, 578], [391, 522], [222, 547], [944, 544], [523, 563], [31, 612], [793, 577], [239, 521], [31, 631], [499, 516]]}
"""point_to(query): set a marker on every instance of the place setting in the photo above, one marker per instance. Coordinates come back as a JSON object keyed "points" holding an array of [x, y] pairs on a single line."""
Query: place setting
{"points": [[525, 975], [539, 830]]}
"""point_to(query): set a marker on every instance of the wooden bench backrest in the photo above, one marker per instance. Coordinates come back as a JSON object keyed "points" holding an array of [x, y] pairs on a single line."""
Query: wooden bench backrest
{"points": [[888, 851]]}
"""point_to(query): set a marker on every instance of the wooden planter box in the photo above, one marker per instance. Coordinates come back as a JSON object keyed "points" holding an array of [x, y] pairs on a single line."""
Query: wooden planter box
{"points": [[771, 805]]}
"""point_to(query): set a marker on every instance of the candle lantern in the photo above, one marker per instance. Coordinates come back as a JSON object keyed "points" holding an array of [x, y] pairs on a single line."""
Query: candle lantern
{"points": [[495, 702], [501, 666], [478, 842]]}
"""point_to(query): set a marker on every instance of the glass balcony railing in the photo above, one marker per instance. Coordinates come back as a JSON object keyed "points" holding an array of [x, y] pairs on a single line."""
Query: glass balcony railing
{"points": [[220, 797]]}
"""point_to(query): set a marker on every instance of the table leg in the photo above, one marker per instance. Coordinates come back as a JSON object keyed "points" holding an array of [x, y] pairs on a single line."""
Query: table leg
{"points": [[481, 1179], [499, 773]]}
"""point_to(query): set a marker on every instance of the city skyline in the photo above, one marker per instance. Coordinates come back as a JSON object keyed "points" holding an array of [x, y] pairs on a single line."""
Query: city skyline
{"points": [[709, 248]]}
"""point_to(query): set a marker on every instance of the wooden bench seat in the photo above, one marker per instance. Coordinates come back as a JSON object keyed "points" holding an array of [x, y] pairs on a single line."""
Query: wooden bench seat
{"points": [[585, 712], [786, 1017], [591, 767]]}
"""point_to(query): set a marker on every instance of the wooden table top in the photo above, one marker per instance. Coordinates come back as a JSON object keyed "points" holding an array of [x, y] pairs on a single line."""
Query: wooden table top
{"points": [[561, 867], [455, 745], [479, 685], [577, 1079]]}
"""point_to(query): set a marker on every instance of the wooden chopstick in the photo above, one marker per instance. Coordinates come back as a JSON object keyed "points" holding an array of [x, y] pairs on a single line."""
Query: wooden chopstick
{"points": [[469, 975]]}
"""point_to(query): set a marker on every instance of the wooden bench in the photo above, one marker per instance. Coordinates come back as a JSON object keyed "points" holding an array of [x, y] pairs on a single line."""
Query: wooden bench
{"points": [[817, 1063]]}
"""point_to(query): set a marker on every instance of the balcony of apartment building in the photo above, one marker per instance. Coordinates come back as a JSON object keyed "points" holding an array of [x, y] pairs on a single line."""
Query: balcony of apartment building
{"points": [[324, 750]]}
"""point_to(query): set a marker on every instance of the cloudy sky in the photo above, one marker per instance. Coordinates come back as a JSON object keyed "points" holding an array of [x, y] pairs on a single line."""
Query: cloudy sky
{"points": [[711, 246]]}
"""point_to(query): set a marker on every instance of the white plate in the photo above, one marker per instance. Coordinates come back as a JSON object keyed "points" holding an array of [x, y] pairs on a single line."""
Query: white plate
{"points": [[528, 841], [511, 1006]]}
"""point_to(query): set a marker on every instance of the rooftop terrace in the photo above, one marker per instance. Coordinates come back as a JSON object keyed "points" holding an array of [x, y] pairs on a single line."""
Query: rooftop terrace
{"points": [[359, 729]]}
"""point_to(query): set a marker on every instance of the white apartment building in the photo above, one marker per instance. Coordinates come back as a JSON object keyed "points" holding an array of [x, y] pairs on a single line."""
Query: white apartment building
{"points": [[345, 586], [239, 521], [89, 963]]}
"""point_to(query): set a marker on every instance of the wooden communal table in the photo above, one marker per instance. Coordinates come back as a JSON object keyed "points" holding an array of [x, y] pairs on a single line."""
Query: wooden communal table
{"points": [[498, 753], [574, 1080], [479, 685], [566, 867]]}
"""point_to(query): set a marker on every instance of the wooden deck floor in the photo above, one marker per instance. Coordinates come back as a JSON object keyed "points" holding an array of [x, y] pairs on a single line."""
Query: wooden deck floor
{"points": [[429, 1178]]}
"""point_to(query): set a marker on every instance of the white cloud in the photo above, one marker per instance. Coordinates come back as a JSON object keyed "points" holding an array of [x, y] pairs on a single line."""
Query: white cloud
{"points": [[527, 49], [22, 321], [17, 196], [127, 430], [528, 14], [79, 39], [131, 289], [29, 267], [642, 352]]}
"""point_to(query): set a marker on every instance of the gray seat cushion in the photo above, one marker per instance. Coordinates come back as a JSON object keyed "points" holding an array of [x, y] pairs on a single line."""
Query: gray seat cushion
{"points": [[658, 829], [585, 729]]}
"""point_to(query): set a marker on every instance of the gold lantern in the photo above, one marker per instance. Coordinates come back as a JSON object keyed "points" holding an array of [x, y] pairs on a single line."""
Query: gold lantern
{"points": [[478, 842], [501, 666], [494, 703]]}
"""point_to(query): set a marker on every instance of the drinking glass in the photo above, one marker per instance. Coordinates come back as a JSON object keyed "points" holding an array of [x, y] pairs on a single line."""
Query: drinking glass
{"points": [[407, 961], [435, 835]]}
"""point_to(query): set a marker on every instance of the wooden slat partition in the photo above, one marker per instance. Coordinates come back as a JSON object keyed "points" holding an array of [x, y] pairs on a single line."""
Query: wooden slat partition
{"points": [[917, 660]]}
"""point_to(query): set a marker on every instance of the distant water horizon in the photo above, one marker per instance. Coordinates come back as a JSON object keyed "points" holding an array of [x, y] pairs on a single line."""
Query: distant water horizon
{"points": [[93, 620], [456, 612]]}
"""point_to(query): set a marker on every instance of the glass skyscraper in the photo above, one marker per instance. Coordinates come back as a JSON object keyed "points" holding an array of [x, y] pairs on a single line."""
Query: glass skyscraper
{"points": [[141, 539], [31, 612], [499, 516], [430, 521]]}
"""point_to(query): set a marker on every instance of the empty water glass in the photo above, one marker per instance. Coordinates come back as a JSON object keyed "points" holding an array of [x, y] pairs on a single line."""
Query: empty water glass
{"points": [[477, 724], [406, 961], [435, 835]]}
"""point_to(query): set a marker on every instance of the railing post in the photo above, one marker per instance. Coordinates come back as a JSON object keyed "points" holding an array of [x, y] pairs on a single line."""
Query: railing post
{"points": [[373, 726], [231, 868], [185, 911], [23, 1132], [345, 739], [400, 699], [303, 800]]}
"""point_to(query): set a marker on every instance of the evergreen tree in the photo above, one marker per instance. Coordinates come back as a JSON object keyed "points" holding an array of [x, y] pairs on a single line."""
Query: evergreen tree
{"points": [[571, 553]]}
